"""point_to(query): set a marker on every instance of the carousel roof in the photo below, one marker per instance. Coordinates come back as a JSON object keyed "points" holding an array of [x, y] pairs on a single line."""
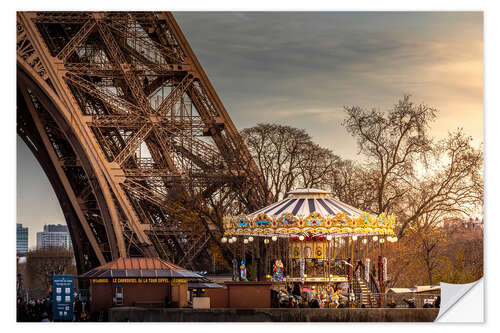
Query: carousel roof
{"points": [[311, 212], [303, 202]]}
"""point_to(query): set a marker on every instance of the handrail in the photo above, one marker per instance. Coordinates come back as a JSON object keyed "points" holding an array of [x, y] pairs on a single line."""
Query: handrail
{"points": [[360, 272]]}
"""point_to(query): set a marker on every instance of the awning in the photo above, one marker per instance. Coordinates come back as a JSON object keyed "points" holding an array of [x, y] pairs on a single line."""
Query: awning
{"points": [[140, 268], [204, 285]]}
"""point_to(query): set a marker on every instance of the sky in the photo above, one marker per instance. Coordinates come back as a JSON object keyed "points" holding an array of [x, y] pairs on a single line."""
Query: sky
{"points": [[302, 69]]}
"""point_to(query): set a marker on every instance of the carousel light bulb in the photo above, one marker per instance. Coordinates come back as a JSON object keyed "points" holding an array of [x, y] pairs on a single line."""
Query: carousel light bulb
{"points": [[245, 241], [230, 241], [365, 241], [375, 238], [389, 239], [274, 238], [266, 241], [329, 237], [395, 239], [382, 240], [224, 239], [301, 237], [234, 239], [354, 238], [250, 239]]}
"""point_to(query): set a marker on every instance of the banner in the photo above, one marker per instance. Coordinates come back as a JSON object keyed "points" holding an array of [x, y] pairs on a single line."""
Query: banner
{"points": [[62, 297]]}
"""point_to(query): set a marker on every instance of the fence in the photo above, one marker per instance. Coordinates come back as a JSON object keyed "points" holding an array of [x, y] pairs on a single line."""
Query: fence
{"points": [[419, 300]]}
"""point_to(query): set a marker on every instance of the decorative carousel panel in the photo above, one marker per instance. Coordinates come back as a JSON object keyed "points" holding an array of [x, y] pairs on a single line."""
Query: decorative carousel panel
{"points": [[288, 220], [296, 252], [315, 220], [262, 221], [308, 251], [365, 220], [243, 222], [320, 251]]}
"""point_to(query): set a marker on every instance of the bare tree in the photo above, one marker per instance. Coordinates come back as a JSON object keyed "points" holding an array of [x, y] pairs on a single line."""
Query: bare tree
{"points": [[354, 184], [44, 263], [288, 158], [451, 185], [411, 175], [392, 142]]}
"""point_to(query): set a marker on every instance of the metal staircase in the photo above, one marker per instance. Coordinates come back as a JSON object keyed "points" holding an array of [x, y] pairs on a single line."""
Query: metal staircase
{"points": [[362, 292]]}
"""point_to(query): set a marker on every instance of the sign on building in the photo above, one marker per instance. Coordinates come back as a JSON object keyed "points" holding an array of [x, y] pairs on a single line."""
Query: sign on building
{"points": [[62, 297]]}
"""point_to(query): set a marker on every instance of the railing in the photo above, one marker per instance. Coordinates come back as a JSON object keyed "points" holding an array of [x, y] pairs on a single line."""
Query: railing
{"points": [[315, 268], [406, 300], [372, 284]]}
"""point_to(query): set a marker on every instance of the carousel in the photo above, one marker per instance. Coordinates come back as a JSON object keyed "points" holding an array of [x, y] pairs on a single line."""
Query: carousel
{"points": [[313, 238]]}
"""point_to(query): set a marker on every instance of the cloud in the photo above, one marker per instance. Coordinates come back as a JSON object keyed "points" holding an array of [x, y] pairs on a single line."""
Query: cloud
{"points": [[302, 68]]}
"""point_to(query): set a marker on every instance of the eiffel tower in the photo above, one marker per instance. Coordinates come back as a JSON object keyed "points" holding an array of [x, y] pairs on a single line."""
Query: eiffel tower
{"points": [[126, 125]]}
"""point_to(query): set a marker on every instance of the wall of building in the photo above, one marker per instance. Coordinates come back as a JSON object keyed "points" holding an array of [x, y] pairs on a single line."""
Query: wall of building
{"points": [[137, 294], [272, 315], [249, 295], [218, 297]]}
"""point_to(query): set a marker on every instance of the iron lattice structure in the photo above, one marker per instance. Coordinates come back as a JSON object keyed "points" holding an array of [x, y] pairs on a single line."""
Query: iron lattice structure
{"points": [[122, 118]]}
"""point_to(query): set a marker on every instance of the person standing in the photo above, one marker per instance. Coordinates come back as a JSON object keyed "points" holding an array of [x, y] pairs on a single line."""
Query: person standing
{"points": [[78, 309]]}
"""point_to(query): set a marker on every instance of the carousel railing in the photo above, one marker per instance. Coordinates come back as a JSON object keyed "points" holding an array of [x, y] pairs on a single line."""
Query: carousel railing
{"points": [[316, 268]]}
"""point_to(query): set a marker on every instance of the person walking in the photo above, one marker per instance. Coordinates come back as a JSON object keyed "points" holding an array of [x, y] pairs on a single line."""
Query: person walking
{"points": [[78, 309]]}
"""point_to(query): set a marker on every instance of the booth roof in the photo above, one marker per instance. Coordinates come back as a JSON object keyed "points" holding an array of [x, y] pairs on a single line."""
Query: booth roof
{"points": [[140, 267]]}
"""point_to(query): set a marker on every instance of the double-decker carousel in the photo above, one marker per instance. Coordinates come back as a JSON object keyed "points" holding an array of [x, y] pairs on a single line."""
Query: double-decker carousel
{"points": [[309, 234]]}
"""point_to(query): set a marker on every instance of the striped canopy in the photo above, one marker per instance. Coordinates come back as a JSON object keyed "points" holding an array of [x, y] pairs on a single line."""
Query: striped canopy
{"points": [[309, 212], [303, 202]]}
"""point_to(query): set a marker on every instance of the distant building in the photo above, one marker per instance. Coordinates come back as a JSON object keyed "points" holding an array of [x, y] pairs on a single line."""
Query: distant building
{"points": [[21, 239], [464, 224], [53, 235]]}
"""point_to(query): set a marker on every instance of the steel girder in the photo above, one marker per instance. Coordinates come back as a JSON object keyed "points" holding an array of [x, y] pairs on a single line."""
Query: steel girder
{"points": [[128, 96]]}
